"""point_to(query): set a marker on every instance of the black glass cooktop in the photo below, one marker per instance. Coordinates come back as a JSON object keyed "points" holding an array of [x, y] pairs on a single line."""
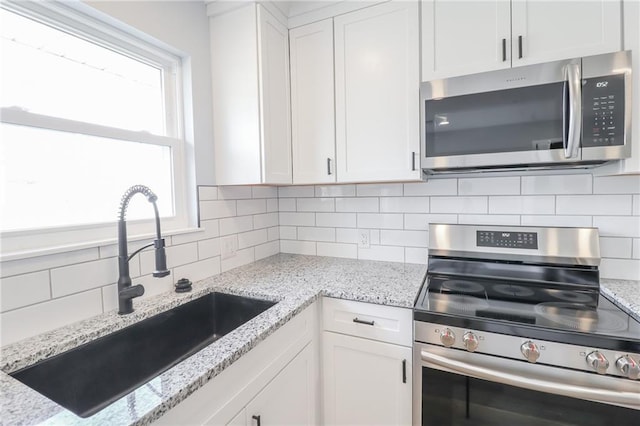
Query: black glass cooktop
{"points": [[536, 309]]}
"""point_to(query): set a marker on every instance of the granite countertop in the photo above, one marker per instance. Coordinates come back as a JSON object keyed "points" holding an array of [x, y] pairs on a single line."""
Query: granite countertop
{"points": [[294, 281], [623, 293]]}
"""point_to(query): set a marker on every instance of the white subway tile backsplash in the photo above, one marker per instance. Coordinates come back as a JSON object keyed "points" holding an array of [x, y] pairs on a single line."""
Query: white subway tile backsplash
{"points": [[616, 184], [422, 221], [287, 204], [349, 251], [636, 248], [264, 192], [432, 187], [616, 247], [557, 184], [617, 226], [246, 207], [404, 204], [297, 219], [35, 319], [486, 219], [208, 248], [404, 238], [346, 235], [374, 236], [357, 205], [316, 234], [40, 263], [336, 191], [595, 205], [152, 286], [542, 220], [234, 192], [273, 233], [298, 247], [242, 257], [529, 204], [459, 205], [252, 238], [266, 220], [315, 205], [636, 205], [207, 193], [384, 253], [23, 290], [416, 255], [489, 186], [288, 232], [197, 270], [85, 276], [233, 225], [217, 209], [272, 205], [296, 191], [379, 189], [267, 249], [380, 220], [622, 269], [336, 220]]}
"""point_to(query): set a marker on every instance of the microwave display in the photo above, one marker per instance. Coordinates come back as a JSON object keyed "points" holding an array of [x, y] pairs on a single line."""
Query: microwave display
{"points": [[603, 111]]}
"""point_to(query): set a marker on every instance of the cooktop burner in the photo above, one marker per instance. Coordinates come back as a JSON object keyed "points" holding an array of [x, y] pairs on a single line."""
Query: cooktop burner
{"points": [[577, 317], [461, 287], [513, 290]]}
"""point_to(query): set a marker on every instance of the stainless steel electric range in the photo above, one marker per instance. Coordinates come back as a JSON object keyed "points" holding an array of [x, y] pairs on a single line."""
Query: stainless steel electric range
{"points": [[511, 328]]}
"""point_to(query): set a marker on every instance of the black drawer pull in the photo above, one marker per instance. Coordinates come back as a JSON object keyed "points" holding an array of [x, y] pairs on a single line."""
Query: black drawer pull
{"points": [[359, 321], [257, 419], [520, 47], [504, 49], [404, 371]]}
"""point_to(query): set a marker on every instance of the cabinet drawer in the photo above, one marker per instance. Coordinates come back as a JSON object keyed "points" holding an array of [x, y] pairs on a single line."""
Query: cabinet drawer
{"points": [[377, 322]]}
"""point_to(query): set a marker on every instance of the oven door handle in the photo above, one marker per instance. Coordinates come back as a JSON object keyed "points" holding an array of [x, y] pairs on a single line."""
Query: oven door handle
{"points": [[629, 399]]}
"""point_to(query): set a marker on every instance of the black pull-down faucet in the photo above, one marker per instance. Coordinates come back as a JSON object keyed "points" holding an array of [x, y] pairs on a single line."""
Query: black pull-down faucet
{"points": [[126, 292]]}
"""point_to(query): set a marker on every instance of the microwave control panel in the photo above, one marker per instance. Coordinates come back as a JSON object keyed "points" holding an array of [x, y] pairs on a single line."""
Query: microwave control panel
{"points": [[603, 111]]}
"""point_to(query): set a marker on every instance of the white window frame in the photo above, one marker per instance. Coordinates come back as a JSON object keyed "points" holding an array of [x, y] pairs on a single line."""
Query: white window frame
{"points": [[70, 18]]}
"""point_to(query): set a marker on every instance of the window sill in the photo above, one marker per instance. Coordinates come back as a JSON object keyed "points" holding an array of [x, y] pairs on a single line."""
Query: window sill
{"points": [[26, 254]]}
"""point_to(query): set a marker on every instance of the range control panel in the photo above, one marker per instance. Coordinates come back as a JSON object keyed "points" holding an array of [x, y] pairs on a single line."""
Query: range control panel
{"points": [[603, 110], [506, 239]]}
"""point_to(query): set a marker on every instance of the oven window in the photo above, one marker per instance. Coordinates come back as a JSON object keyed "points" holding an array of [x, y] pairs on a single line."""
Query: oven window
{"points": [[452, 399], [522, 119]]}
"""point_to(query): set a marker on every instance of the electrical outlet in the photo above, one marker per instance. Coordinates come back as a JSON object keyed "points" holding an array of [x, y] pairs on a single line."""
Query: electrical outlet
{"points": [[228, 246], [364, 238]]}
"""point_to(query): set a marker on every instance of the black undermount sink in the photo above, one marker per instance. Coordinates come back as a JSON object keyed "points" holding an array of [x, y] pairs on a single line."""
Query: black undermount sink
{"points": [[88, 378]]}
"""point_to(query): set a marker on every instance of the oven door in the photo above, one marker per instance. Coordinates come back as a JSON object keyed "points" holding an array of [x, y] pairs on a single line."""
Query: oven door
{"points": [[508, 118], [454, 387]]}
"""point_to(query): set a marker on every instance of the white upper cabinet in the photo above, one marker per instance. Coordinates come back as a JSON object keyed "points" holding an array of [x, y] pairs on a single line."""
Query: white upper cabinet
{"points": [[463, 37], [312, 103], [469, 37], [545, 31], [250, 78], [377, 93]]}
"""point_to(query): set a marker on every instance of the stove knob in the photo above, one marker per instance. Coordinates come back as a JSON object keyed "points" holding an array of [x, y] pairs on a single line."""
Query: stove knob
{"points": [[470, 341], [628, 367], [598, 362], [447, 337], [530, 351]]}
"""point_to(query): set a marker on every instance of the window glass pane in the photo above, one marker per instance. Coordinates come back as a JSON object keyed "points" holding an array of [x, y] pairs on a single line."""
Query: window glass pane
{"points": [[50, 178], [50, 72]]}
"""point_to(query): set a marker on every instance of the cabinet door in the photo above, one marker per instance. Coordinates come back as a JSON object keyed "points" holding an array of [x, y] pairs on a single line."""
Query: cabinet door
{"points": [[312, 103], [377, 93], [551, 30], [465, 37], [275, 127], [363, 381], [289, 399]]}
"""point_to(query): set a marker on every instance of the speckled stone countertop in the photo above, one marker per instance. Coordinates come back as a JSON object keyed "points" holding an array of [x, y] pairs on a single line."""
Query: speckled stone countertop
{"points": [[293, 281], [624, 293]]}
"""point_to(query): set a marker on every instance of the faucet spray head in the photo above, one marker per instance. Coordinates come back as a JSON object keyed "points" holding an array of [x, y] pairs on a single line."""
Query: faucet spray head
{"points": [[161, 259]]}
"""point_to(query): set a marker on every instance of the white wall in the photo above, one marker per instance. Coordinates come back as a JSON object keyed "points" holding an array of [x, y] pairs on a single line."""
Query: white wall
{"points": [[182, 25]]}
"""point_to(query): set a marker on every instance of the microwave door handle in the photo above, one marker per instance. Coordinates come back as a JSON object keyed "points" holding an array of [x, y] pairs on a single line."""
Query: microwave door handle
{"points": [[629, 399], [572, 74]]}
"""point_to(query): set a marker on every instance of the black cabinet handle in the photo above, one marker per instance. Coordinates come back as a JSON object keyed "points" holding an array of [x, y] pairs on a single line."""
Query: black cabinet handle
{"points": [[257, 419], [413, 161], [329, 166], [404, 371], [504, 49], [359, 321], [519, 47]]}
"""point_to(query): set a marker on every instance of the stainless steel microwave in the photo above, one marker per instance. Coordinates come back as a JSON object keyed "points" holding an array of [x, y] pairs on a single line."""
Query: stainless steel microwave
{"points": [[570, 113]]}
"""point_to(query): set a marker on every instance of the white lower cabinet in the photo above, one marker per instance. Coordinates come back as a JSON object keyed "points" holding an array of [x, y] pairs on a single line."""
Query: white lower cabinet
{"points": [[365, 382]]}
